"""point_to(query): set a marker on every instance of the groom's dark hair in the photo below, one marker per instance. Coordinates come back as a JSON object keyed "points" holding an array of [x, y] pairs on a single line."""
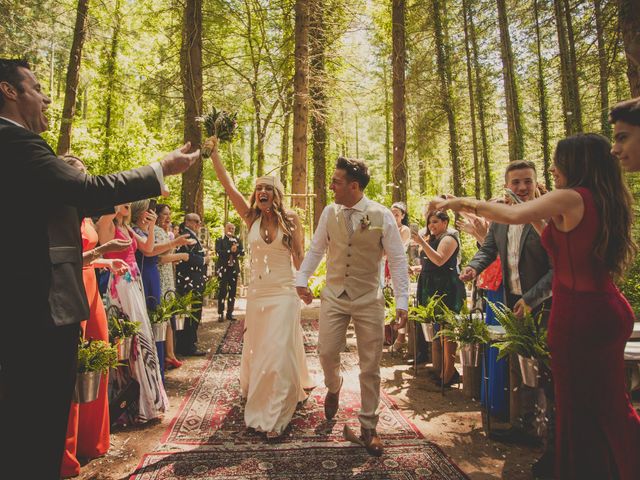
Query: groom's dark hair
{"points": [[9, 73], [357, 170]]}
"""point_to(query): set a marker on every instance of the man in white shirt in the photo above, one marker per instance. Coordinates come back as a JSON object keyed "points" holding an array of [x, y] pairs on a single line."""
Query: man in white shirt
{"points": [[355, 232]]}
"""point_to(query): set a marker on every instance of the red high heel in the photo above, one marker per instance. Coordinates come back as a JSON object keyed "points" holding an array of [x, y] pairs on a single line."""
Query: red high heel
{"points": [[173, 363]]}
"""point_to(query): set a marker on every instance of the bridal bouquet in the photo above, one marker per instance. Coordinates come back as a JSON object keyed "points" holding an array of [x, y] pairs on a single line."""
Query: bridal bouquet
{"points": [[220, 124]]}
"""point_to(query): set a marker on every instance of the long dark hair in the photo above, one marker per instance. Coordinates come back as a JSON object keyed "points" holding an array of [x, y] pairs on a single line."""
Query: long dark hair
{"points": [[586, 161], [440, 215]]}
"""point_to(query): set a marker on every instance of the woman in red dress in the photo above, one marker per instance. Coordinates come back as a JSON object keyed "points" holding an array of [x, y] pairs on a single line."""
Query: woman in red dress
{"points": [[589, 239], [88, 425]]}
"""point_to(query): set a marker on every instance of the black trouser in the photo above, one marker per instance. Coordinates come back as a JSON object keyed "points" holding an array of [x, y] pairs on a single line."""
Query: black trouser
{"points": [[227, 290], [37, 378], [187, 339]]}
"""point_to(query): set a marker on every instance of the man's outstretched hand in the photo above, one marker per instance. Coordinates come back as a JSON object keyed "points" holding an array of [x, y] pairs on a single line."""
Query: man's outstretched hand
{"points": [[305, 294], [179, 160]]}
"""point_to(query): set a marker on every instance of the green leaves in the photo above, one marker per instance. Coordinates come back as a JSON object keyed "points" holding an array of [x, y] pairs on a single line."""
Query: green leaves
{"points": [[524, 336], [465, 329], [119, 324], [96, 356], [434, 311]]}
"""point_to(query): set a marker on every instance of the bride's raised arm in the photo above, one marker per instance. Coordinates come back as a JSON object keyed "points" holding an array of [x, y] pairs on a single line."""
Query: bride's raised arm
{"points": [[239, 202]]}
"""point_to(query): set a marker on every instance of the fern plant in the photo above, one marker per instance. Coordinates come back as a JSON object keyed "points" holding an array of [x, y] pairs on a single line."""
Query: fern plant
{"points": [[119, 324], [96, 356], [523, 336], [465, 329], [434, 311]]}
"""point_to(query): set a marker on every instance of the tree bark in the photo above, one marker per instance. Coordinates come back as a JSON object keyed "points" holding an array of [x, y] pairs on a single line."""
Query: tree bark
{"points": [[543, 104], [514, 122], [477, 69], [569, 82], [73, 76], [472, 104], [446, 95], [605, 126], [111, 82], [191, 74], [399, 172], [318, 96], [629, 20], [387, 129], [300, 104]]}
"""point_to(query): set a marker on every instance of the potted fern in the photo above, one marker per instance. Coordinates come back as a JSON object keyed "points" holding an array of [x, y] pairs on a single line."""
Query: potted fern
{"points": [[525, 337], [121, 331], [469, 331], [429, 314], [95, 358], [184, 307]]}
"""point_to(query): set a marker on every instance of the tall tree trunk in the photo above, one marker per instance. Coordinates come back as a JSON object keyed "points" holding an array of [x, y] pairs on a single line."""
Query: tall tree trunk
{"points": [[257, 109], [472, 102], [569, 81], [387, 128], [629, 20], [191, 73], [73, 76], [399, 172], [317, 93], [284, 146], [446, 95], [252, 149], [514, 122], [484, 141], [605, 126], [574, 91], [543, 103], [300, 104], [112, 60]]}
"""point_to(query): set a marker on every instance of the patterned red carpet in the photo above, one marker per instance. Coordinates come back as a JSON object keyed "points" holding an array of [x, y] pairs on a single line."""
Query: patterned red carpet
{"points": [[207, 439]]}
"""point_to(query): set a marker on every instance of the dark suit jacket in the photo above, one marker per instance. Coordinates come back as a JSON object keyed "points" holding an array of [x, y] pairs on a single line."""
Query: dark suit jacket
{"points": [[44, 201], [192, 274], [223, 250], [534, 266]]}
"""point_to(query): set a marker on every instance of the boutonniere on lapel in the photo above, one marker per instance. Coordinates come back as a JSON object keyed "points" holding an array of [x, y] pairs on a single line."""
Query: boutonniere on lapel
{"points": [[365, 223]]}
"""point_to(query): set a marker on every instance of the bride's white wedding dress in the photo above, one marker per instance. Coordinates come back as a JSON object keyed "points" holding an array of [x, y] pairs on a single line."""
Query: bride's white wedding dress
{"points": [[273, 370]]}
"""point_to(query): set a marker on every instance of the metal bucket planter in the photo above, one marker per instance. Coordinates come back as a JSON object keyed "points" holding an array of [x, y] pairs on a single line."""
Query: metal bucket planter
{"points": [[529, 368], [159, 331], [429, 331], [123, 347], [179, 321], [87, 387], [470, 355]]}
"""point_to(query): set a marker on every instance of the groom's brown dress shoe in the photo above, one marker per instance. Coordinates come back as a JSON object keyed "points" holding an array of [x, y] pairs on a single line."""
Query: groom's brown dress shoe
{"points": [[371, 441], [331, 401]]}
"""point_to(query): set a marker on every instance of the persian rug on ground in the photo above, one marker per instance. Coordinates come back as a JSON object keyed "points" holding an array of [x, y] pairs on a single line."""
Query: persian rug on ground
{"points": [[212, 414], [420, 460]]}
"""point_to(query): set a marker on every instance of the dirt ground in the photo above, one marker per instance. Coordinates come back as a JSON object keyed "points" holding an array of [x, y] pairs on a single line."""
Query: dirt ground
{"points": [[451, 421]]}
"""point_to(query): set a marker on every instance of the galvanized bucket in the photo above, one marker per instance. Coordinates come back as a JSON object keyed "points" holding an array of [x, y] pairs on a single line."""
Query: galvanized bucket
{"points": [[87, 387], [159, 331], [179, 321], [470, 355], [429, 331], [123, 347], [530, 371]]}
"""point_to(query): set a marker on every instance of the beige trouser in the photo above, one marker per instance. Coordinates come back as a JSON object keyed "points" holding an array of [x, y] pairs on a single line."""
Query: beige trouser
{"points": [[367, 312]]}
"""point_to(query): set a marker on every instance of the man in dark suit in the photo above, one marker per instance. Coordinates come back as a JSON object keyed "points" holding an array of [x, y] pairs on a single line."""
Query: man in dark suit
{"points": [[43, 297], [191, 276], [526, 274], [229, 250]]}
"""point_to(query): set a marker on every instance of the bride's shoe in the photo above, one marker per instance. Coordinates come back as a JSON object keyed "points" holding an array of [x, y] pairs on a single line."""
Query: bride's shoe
{"points": [[272, 435], [398, 347]]}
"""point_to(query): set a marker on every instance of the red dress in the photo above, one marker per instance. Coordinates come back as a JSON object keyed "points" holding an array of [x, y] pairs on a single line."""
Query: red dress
{"points": [[88, 426], [597, 429]]}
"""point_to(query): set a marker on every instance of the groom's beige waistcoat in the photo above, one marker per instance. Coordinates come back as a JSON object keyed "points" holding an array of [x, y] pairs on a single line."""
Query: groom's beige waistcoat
{"points": [[353, 263]]}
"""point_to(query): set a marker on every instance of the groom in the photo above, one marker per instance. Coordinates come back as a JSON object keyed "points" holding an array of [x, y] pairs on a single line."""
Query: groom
{"points": [[355, 232]]}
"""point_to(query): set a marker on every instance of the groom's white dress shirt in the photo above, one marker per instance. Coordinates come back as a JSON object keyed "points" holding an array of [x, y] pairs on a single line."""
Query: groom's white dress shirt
{"points": [[391, 242]]}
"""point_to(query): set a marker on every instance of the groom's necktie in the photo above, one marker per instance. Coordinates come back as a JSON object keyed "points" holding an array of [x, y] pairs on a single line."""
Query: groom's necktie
{"points": [[348, 212]]}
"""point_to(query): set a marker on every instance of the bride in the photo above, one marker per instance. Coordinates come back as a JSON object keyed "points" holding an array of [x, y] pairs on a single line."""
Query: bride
{"points": [[273, 369]]}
